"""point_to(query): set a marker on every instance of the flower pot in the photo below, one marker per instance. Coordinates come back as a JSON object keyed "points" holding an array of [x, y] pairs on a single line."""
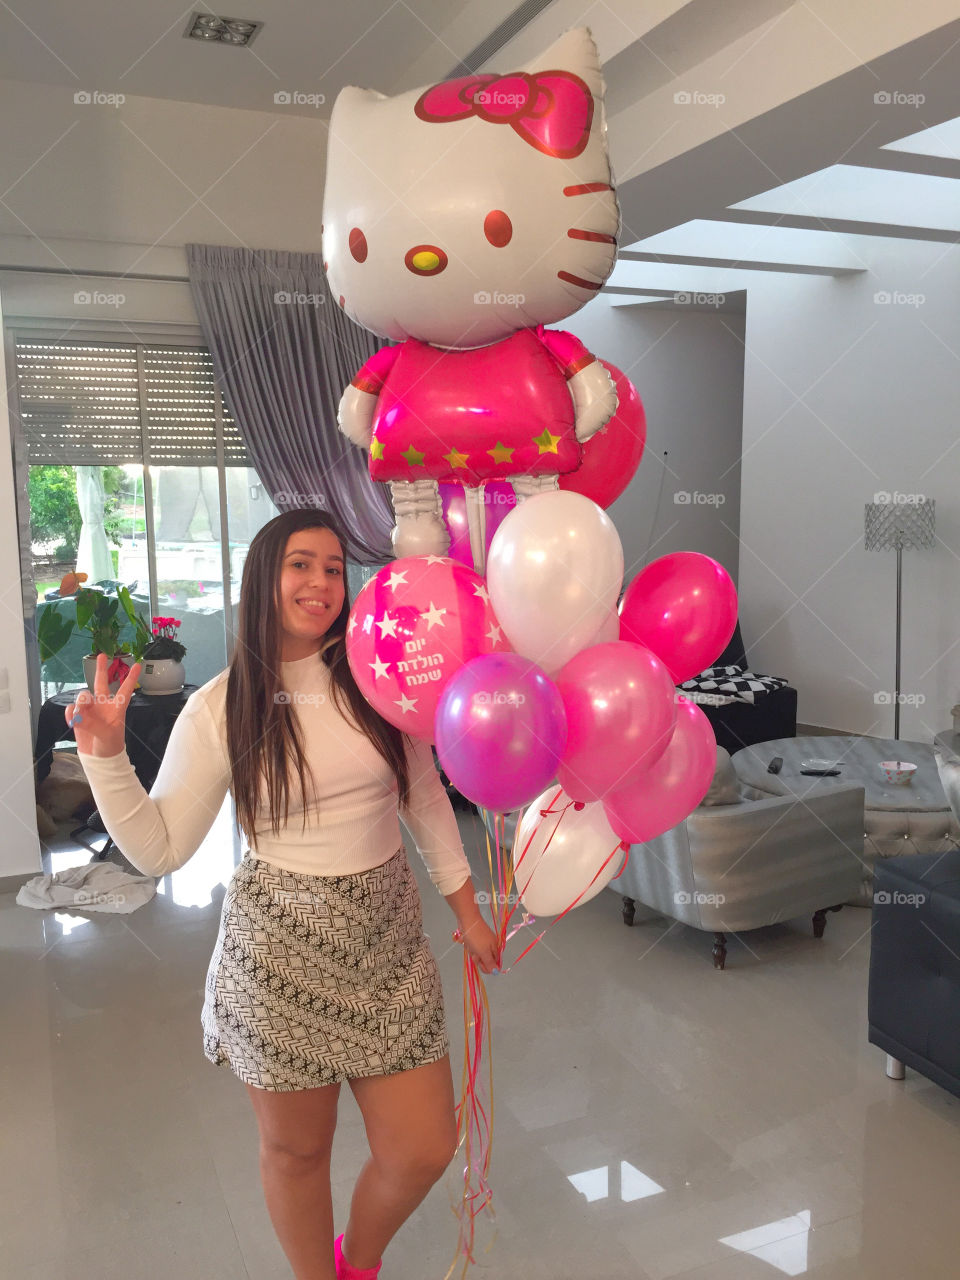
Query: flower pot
{"points": [[90, 672], [161, 675]]}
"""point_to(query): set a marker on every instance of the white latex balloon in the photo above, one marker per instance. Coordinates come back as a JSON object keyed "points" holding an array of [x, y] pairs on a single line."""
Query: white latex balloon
{"points": [[609, 630], [554, 573], [564, 854]]}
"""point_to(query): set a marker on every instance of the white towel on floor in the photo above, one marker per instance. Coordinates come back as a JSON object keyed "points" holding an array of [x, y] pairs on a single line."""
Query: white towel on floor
{"points": [[96, 886]]}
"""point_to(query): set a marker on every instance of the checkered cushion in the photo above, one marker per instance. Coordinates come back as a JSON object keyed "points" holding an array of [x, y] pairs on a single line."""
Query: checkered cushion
{"points": [[718, 686]]}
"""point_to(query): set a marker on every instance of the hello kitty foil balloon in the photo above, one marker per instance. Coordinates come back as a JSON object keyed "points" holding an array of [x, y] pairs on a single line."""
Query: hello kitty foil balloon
{"points": [[459, 220]]}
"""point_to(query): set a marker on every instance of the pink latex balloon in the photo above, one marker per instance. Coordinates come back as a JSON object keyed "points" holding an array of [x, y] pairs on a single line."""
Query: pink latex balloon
{"points": [[683, 606], [673, 786], [610, 458], [411, 628], [621, 710], [500, 731], [498, 500]]}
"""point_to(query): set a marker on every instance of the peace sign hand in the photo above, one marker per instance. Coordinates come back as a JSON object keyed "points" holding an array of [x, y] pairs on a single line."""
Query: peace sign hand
{"points": [[97, 718]]}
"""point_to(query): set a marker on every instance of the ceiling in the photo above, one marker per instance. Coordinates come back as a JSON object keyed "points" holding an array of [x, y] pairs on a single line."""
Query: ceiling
{"points": [[782, 191], [309, 46]]}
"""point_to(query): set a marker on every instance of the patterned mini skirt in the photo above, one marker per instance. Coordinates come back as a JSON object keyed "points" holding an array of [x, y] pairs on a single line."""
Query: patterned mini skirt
{"points": [[320, 979]]}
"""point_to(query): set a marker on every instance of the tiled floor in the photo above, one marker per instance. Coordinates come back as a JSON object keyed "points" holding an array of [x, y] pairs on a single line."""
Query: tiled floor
{"points": [[655, 1119]]}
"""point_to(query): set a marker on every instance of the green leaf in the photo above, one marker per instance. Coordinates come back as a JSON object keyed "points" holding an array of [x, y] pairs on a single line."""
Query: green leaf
{"points": [[53, 632], [123, 593], [87, 601]]}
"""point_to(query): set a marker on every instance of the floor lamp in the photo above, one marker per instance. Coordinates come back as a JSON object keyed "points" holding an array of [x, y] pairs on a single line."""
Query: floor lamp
{"points": [[898, 526]]}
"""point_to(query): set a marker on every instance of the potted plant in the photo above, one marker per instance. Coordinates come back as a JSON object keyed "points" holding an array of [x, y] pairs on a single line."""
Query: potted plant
{"points": [[97, 613], [163, 659]]}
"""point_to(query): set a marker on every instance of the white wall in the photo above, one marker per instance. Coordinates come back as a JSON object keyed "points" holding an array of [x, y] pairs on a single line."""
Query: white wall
{"points": [[688, 369], [19, 847], [845, 397]]}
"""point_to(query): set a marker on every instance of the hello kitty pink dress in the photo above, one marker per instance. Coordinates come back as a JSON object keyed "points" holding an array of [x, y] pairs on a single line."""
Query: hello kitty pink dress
{"points": [[475, 415]]}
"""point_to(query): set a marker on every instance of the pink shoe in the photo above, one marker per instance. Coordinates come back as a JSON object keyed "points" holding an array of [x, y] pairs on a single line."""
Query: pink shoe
{"points": [[344, 1269]]}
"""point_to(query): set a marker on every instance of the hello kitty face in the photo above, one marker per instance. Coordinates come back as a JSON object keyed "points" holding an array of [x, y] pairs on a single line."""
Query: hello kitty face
{"points": [[460, 213]]}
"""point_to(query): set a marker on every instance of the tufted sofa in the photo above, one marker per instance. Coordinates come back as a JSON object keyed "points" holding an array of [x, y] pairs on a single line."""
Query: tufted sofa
{"points": [[898, 820]]}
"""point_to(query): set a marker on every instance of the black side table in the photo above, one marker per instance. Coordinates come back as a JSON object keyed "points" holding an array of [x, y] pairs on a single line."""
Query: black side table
{"points": [[150, 719]]}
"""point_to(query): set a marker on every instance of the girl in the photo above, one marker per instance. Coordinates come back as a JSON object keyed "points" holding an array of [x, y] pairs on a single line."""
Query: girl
{"points": [[321, 971]]}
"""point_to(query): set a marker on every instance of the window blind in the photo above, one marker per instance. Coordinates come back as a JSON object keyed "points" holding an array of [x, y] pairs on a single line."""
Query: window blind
{"points": [[81, 405]]}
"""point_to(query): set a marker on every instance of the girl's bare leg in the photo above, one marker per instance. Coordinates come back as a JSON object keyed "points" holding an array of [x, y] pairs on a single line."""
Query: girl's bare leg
{"points": [[296, 1139], [410, 1119]]}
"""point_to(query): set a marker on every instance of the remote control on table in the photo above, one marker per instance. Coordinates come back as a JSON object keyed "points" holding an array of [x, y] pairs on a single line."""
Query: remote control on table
{"points": [[775, 765]]}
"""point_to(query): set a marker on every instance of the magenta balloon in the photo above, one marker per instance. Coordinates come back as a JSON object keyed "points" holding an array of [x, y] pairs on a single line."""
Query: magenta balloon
{"points": [[500, 731], [683, 606], [673, 786], [621, 710]]}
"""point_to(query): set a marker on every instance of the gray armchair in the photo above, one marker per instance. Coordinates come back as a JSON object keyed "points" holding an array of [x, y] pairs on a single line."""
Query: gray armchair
{"points": [[732, 867], [742, 863]]}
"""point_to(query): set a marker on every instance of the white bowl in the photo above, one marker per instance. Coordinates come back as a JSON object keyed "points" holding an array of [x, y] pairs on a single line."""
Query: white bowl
{"points": [[898, 772]]}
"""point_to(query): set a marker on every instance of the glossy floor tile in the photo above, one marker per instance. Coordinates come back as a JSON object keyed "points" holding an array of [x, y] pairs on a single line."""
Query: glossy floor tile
{"points": [[654, 1119]]}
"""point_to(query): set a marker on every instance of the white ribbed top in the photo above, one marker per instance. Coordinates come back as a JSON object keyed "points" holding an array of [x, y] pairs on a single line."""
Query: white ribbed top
{"points": [[351, 821]]}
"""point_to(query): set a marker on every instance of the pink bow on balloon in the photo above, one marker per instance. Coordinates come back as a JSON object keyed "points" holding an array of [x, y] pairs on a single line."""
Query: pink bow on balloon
{"points": [[552, 110]]}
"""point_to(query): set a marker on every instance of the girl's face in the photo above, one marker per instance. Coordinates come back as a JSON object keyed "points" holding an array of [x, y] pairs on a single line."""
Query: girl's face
{"points": [[311, 591]]}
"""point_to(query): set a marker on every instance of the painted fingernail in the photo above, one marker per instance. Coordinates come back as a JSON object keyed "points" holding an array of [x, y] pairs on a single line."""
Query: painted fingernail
{"points": [[75, 720]]}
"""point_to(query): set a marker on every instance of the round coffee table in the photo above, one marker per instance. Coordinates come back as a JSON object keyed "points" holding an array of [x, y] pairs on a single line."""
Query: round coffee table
{"points": [[898, 819]]}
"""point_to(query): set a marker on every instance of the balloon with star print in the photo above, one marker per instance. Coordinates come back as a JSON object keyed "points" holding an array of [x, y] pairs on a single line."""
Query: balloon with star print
{"points": [[411, 628]]}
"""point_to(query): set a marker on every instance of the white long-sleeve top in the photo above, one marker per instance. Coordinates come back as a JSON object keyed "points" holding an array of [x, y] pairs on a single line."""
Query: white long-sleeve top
{"points": [[351, 818]]}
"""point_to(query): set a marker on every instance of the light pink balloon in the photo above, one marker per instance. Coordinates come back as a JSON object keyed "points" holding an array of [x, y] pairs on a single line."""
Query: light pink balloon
{"points": [[673, 786], [621, 710], [683, 606], [609, 631]]}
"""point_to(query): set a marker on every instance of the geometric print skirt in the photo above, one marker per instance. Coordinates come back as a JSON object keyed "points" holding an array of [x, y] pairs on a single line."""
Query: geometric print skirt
{"points": [[319, 979]]}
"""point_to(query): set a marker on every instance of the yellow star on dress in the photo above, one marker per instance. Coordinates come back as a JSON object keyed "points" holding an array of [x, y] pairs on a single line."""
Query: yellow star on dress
{"points": [[500, 453], [413, 457], [376, 449], [456, 458], [546, 443]]}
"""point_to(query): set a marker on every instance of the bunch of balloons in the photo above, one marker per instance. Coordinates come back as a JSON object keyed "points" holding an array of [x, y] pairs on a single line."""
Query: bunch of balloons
{"points": [[533, 678]]}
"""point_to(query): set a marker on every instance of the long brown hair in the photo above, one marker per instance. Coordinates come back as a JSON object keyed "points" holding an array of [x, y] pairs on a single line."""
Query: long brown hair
{"points": [[264, 737]]}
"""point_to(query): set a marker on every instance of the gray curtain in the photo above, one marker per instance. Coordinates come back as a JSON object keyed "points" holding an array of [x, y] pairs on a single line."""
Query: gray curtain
{"points": [[283, 352]]}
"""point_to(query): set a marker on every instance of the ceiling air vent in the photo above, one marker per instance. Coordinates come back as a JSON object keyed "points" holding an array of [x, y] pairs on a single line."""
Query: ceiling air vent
{"points": [[216, 30], [498, 38]]}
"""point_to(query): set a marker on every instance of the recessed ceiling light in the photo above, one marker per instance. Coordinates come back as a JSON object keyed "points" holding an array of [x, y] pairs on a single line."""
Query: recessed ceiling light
{"points": [[214, 29]]}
